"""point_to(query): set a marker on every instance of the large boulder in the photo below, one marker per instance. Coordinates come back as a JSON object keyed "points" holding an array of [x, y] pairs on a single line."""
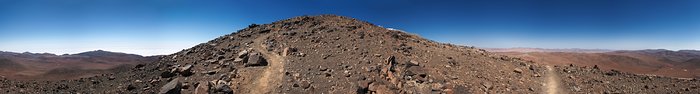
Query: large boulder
{"points": [[242, 57], [255, 59], [172, 87], [185, 70]]}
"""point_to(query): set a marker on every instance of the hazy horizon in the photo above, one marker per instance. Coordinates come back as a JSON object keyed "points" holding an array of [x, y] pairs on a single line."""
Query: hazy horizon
{"points": [[157, 27]]}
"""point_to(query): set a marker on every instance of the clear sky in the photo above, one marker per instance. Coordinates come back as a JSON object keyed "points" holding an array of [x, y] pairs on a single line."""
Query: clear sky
{"points": [[150, 27]]}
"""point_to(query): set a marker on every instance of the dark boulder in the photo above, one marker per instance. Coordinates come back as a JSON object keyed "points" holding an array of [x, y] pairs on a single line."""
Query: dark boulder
{"points": [[255, 59], [221, 89]]}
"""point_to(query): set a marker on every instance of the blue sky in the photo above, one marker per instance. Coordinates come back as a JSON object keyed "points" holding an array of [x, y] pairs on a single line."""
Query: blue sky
{"points": [[151, 27]]}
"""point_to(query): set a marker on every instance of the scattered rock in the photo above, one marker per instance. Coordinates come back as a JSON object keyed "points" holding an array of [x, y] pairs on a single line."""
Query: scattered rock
{"points": [[413, 63], [518, 70], [380, 89], [288, 51], [391, 63], [130, 87], [210, 61], [595, 67], [487, 85], [437, 86], [370, 68], [305, 84], [253, 25], [111, 77], [222, 89], [301, 54], [453, 77], [321, 68], [186, 85], [612, 73]]}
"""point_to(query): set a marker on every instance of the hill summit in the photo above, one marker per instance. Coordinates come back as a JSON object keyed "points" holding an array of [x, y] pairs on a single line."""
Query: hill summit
{"points": [[336, 54]]}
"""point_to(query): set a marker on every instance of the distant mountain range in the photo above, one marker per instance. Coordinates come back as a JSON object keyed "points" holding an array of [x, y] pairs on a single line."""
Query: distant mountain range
{"points": [[520, 49], [47, 66], [682, 63]]}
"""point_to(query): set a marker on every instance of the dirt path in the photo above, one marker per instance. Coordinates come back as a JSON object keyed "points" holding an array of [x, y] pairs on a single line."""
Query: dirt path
{"points": [[272, 75], [552, 82]]}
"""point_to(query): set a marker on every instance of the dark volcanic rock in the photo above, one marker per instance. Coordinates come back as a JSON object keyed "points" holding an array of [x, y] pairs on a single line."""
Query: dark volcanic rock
{"points": [[221, 89], [255, 59]]}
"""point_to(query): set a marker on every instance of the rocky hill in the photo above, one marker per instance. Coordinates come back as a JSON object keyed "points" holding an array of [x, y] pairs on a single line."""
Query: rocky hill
{"points": [[335, 54]]}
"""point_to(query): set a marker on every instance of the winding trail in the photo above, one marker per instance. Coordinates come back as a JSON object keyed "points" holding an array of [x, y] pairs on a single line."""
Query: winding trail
{"points": [[552, 82], [272, 75]]}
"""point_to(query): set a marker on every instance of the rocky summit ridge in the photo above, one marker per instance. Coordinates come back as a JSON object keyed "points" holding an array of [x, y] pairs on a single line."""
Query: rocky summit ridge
{"points": [[336, 54]]}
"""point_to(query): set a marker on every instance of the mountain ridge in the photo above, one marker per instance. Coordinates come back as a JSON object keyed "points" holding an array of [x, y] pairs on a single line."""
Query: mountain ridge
{"points": [[526, 49]]}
